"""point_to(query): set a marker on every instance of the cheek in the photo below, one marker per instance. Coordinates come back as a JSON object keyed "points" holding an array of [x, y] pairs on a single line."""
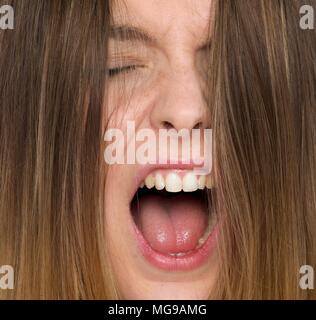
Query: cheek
{"points": [[126, 105]]}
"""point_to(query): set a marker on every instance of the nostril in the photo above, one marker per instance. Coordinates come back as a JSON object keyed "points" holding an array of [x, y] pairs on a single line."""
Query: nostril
{"points": [[199, 125], [167, 125]]}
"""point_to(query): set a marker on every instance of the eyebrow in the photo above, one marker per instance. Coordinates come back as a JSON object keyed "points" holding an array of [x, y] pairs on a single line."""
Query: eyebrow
{"points": [[129, 33]]}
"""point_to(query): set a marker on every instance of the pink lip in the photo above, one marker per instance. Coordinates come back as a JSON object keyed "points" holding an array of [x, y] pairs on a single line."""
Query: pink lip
{"points": [[183, 263], [187, 262]]}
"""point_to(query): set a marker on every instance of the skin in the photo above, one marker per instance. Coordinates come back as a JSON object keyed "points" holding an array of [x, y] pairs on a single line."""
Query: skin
{"points": [[164, 90]]}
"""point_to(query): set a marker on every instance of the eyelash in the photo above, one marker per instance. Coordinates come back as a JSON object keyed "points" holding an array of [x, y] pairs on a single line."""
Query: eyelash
{"points": [[118, 70]]}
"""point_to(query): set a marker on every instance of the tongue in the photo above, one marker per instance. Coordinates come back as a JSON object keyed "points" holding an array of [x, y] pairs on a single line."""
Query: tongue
{"points": [[172, 224]]}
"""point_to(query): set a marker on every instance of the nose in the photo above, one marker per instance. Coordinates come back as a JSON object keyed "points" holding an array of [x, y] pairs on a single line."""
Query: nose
{"points": [[181, 104]]}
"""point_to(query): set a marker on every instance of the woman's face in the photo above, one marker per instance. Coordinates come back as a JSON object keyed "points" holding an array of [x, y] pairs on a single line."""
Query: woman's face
{"points": [[161, 243]]}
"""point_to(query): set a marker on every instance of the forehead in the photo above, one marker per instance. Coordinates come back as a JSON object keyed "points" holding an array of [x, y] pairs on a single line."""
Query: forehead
{"points": [[165, 19]]}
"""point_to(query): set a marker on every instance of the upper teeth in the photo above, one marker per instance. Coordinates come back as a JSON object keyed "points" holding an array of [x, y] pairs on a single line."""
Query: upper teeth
{"points": [[173, 182]]}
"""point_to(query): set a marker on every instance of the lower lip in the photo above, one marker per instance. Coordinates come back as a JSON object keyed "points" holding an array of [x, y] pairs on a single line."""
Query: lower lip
{"points": [[187, 262]]}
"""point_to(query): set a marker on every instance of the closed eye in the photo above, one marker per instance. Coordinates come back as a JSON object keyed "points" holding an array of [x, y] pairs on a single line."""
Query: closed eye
{"points": [[112, 72]]}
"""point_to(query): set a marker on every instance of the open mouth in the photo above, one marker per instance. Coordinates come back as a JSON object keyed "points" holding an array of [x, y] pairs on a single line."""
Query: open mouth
{"points": [[174, 218]]}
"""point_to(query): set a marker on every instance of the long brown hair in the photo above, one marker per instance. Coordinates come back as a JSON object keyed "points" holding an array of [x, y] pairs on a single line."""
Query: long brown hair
{"points": [[53, 70], [262, 97]]}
